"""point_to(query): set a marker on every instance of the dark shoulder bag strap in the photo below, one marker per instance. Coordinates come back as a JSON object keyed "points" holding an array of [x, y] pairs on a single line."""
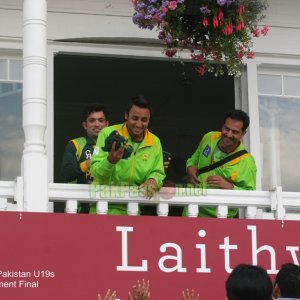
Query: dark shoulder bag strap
{"points": [[221, 162]]}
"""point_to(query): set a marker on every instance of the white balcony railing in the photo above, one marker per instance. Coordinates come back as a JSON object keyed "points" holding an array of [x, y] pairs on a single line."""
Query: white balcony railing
{"points": [[274, 204]]}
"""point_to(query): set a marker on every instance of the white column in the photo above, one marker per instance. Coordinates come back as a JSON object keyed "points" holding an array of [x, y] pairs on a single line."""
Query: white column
{"points": [[254, 130], [34, 162]]}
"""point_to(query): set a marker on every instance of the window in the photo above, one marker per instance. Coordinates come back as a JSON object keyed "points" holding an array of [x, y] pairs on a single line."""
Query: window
{"points": [[11, 134], [279, 107]]}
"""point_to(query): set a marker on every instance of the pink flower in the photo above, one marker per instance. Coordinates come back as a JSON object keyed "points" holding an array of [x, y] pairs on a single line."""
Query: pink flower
{"points": [[205, 22], [241, 9], [215, 22], [198, 57], [250, 55], [256, 33], [240, 26], [201, 70], [170, 52], [241, 53], [164, 9], [172, 5], [228, 29], [220, 15], [265, 30]]}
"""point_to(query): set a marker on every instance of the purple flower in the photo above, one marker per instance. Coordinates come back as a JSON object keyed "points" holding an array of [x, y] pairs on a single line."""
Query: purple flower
{"points": [[152, 1], [230, 2], [140, 6], [151, 10], [148, 17], [204, 10], [180, 1], [165, 3], [137, 18], [168, 39], [221, 2]]}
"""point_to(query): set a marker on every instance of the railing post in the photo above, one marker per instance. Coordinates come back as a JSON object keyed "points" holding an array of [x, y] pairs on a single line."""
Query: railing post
{"points": [[19, 197], [132, 208], [162, 209], [251, 212], [102, 207], [3, 204], [192, 210], [222, 211], [71, 206], [280, 211]]}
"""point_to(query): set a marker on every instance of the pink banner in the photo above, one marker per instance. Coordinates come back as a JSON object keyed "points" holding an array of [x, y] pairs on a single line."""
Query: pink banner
{"points": [[61, 256]]}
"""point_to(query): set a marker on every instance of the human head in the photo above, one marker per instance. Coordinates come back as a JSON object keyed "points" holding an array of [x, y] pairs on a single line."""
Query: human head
{"points": [[247, 282], [234, 128], [287, 282], [137, 116], [94, 118], [238, 115]]}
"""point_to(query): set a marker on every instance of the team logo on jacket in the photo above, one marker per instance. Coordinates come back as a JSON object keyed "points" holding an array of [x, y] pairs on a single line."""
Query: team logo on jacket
{"points": [[206, 150], [88, 154]]}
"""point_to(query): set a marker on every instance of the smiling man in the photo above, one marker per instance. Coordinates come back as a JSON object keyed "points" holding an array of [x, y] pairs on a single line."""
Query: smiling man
{"points": [[78, 152], [143, 168], [221, 160]]}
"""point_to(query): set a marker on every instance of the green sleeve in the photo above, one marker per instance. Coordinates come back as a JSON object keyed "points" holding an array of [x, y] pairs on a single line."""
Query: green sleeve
{"points": [[158, 171], [100, 166], [194, 159], [70, 168]]}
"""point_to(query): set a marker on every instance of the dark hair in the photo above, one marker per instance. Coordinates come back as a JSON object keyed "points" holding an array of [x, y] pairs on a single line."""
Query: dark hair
{"points": [[139, 101], [93, 108], [288, 280], [238, 115], [247, 282]]}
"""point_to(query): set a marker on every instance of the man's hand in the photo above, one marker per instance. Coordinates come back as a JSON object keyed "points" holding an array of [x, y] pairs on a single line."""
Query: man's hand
{"points": [[218, 182], [115, 155], [140, 291], [192, 174], [189, 295], [109, 295], [150, 187]]}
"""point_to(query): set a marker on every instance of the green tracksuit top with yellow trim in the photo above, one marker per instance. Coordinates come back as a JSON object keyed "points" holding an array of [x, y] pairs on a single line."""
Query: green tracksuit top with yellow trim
{"points": [[144, 163], [241, 171]]}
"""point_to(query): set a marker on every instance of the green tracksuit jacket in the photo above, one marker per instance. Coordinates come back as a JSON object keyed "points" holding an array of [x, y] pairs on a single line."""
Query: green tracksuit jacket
{"points": [[145, 163], [241, 172]]}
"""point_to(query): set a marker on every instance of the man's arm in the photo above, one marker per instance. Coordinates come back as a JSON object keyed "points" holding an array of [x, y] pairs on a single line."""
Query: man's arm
{"points": [[71, 169], [158, 171], [192, 166], [101, 167]]}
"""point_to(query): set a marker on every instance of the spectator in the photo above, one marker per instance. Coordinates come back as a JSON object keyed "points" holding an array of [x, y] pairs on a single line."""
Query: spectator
{"points": [[247, 282], [287, 282]]}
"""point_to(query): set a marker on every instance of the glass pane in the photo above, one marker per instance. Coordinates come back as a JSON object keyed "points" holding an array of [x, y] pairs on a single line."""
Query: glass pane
{"points": [[3, 69], [269, 84], [15, 71], [291, 85], [11, 133], [280, 136]]}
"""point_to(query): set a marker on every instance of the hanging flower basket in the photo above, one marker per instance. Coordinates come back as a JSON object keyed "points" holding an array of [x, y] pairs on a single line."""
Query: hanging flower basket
{"points": [[215, 31]]}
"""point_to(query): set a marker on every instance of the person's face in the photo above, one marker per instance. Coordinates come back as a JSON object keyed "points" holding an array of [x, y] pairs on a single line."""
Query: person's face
{"points": [[94, 124], [232, 132], [137, 122]]}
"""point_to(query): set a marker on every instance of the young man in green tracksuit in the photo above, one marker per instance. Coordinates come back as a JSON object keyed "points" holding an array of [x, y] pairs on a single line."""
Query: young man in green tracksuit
{"points": [[144, 167], [78, 152], [238, 174]]}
